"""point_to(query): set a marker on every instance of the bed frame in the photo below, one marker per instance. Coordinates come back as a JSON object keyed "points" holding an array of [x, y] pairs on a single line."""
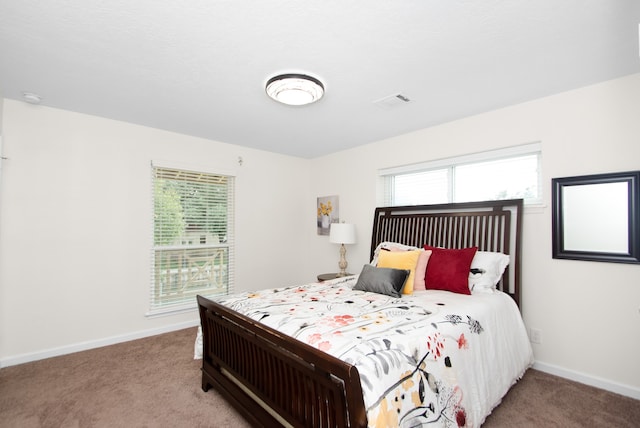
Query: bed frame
{"points": [[274, 380]]}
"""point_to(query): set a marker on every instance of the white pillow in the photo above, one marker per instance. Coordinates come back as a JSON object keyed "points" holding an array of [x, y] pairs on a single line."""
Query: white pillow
{"points": [[491, 266], [388, 245]]}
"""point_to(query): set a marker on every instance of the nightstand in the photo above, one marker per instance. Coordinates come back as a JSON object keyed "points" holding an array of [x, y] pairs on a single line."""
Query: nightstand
{"points": [[328, 276]]}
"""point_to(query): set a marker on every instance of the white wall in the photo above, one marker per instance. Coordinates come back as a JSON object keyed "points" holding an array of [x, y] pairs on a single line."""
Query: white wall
{"points": [[588, 312], [78, 187], [75, 226]]}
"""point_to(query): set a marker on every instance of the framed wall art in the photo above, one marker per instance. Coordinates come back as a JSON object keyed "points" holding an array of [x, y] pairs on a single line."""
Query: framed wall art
{"points": [[328, 212]]}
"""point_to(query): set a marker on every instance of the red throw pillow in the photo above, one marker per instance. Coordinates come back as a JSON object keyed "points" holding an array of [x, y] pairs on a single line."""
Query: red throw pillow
{"points": [[448, 269]]}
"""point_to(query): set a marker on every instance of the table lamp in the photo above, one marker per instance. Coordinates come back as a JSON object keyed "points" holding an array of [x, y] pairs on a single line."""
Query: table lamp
{"points": [[342, 233]]}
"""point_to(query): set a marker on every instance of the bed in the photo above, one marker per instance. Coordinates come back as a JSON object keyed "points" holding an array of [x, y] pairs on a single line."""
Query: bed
{"points": [[333, 354]]}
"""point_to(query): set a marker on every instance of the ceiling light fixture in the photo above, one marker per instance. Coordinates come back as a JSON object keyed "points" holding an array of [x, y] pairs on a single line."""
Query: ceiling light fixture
{"points": [[295, 89]]}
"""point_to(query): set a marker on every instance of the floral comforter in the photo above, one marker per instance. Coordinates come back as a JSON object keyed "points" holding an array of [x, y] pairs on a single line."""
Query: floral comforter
{"points": [[434, 358]]}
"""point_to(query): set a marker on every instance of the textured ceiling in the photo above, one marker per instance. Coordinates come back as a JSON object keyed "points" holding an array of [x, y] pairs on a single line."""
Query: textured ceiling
{"points": [[199, 67]]}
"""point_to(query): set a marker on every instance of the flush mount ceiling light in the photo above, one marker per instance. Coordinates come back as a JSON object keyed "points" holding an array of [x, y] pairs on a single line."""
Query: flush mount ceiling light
{"points": [[295, 89]]}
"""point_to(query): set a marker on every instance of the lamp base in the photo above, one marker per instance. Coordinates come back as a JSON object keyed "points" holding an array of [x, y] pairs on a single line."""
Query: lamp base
{"points": [[342, 264]]}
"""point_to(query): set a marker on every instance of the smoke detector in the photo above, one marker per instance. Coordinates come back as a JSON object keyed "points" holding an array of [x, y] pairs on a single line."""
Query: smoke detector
{"points": [[31, 98]]}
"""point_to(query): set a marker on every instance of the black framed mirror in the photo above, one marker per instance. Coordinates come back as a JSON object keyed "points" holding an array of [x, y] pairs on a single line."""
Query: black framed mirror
{"points": [[597, 217]]}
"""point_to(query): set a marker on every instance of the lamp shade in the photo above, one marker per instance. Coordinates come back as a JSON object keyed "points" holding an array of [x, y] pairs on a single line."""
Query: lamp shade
{"points": [[342, 233]]}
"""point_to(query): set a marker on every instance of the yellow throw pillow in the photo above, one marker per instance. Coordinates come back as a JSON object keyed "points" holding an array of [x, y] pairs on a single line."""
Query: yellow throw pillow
{"points": [[401, 260]]}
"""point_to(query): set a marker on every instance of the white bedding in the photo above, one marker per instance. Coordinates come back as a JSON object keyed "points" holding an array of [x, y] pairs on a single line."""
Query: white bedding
{"points": [[434, 358]]}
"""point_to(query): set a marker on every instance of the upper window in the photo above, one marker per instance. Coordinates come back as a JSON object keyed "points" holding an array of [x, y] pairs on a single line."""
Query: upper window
{"points": [[192, 237], [508, 173]]}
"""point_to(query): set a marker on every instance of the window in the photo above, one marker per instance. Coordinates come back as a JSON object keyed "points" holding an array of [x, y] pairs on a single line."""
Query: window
{"points": [[193, 244], [508, 173]]}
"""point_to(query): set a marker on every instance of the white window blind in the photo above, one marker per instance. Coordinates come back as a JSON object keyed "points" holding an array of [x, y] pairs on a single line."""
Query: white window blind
{"points": [[193, 242], [513, 172]]}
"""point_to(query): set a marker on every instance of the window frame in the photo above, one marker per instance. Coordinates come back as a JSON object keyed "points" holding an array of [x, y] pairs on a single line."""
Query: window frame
{"points": [[387, 175], [157, 308]]}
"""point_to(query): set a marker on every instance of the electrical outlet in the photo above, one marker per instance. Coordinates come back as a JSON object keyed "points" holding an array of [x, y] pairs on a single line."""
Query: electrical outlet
{"points": [[535, 336]]}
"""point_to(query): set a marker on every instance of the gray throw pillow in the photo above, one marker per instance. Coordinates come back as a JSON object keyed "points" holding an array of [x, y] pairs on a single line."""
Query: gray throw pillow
{"points": [[382, 280]]}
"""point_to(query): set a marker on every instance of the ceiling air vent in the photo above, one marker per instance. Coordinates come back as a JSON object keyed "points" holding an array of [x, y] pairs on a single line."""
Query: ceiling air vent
{"points": [[391, 101]]}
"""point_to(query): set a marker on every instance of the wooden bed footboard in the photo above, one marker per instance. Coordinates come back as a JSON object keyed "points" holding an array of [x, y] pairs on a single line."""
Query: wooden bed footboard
{"points": [[274, 380]]}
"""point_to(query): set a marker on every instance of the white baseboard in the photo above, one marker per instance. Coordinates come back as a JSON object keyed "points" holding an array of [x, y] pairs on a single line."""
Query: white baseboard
{"points": [[608, 385], [83, 346]]}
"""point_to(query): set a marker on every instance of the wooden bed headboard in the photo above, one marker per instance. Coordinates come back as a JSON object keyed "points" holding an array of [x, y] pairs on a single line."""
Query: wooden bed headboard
{"points": [[488, 225]]}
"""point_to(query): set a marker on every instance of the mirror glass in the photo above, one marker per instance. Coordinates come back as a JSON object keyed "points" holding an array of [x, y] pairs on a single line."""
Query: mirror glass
{"points": [[601, 226]]}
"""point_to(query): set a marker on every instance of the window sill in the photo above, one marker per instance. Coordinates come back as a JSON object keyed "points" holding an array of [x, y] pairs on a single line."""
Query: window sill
{"points": [[169, 311]]}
